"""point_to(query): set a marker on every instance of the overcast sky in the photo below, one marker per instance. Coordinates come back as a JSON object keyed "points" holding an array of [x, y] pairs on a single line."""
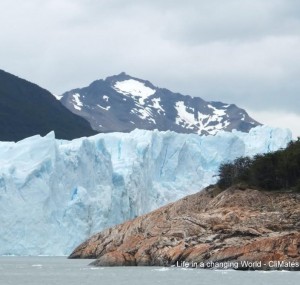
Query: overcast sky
{"points": [[245, 52]]}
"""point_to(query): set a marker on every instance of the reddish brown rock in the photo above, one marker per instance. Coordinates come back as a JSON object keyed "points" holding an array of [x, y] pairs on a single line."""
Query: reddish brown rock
{"points": [[233, 226], [115, 258]]}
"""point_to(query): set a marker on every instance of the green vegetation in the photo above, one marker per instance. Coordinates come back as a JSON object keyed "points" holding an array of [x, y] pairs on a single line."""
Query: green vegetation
{"points": [[278, 170]]}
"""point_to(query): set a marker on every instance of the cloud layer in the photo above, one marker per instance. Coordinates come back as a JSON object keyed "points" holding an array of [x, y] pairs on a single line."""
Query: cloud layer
{"points": [[244, 52]]}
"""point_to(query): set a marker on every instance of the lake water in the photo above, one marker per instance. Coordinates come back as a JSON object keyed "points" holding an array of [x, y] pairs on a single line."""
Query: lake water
{"points": [[61, 271]]}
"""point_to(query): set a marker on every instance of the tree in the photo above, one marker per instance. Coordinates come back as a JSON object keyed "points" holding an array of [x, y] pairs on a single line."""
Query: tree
{"points": [[271, 171]]}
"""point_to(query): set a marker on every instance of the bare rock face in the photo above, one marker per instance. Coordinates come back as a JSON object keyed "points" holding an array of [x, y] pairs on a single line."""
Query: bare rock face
{"points": [[255, 229]]}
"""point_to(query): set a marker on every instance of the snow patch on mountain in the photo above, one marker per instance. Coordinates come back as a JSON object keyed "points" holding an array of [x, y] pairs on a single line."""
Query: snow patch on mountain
{"points": [[146, 113], [56, 193], [156, 105], [58, 97], [76, 101], [185, 115], [133, 87], [104, 108], [217, 112]]}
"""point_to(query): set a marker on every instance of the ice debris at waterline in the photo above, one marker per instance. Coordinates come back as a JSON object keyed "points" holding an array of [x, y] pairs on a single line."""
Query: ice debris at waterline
{"points": [[54, 193]]}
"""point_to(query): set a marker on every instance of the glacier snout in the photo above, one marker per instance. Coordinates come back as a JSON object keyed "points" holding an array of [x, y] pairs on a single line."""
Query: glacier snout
{"points": [[55, 193]]}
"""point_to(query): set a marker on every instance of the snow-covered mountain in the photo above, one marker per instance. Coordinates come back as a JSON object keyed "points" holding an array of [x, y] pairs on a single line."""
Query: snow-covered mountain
{"points": [[55, 193], [124, 103]]}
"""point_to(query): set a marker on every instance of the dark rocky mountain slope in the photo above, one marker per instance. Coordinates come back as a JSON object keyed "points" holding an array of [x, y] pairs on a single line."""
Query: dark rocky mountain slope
{"points": [[27, 109]]}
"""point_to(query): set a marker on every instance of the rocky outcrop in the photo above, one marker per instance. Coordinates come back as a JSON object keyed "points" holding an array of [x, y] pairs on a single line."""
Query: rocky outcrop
{"points": [[245, 227]]}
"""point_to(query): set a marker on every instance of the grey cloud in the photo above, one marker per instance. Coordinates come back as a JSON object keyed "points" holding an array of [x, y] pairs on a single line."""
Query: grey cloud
{"points": [[243, 52], [232, 21]]}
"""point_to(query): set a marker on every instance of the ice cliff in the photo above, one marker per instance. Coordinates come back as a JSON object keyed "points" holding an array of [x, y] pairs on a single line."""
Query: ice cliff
{"points": [[55, 193]]}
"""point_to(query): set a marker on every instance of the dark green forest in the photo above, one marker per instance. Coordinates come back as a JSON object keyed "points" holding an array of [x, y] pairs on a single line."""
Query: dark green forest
{"points": [[279, 170]]}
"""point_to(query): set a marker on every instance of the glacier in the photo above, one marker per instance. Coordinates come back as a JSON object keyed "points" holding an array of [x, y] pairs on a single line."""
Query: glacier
{"points": [[56, 193]]}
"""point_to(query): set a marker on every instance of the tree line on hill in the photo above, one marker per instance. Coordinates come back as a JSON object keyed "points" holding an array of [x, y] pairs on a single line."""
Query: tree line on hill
{"points": [[279, 170]]}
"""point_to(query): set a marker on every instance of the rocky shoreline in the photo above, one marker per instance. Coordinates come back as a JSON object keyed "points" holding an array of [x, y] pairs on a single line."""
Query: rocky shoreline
{"points": [[239, 228]]}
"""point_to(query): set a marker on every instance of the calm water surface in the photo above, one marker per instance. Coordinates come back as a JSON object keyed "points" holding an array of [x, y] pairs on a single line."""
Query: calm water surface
{"points": [[61, 271]]}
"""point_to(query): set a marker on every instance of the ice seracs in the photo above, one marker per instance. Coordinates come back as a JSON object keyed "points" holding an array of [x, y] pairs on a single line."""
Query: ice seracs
{"points": [[55, 193]]}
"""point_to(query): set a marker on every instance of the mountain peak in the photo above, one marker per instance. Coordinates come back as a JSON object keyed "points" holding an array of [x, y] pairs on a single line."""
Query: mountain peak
{"points": [[121, 76], [123, 73], [123, 103]]}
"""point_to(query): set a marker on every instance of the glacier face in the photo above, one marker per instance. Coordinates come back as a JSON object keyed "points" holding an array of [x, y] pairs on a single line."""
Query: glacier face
{"points": [[55, 193]]}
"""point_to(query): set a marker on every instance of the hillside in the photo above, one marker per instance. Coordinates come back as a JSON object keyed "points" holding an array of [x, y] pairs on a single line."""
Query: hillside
{"points": [[238, 228], [27, 109]]}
